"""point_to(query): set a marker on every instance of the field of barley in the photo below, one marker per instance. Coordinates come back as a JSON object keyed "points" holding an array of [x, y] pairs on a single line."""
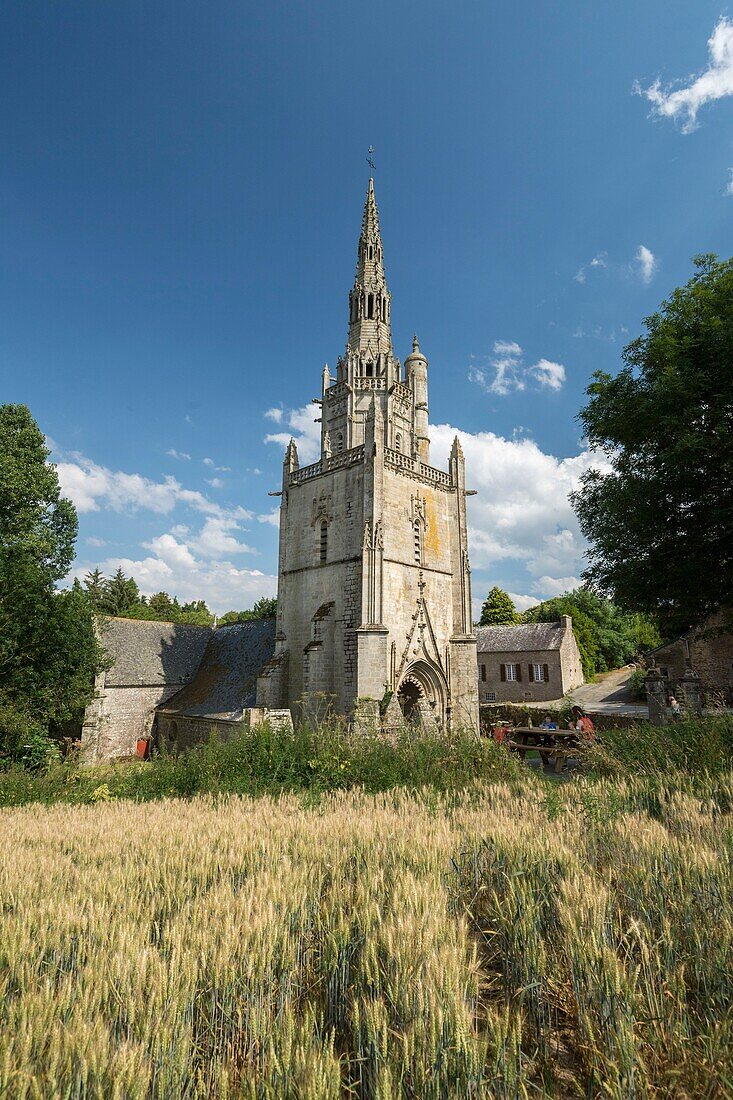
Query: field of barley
{"points": [[523, 941]]}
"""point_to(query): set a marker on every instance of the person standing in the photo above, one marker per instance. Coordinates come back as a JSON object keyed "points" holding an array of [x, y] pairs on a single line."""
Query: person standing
{"points": [[675, 708]]}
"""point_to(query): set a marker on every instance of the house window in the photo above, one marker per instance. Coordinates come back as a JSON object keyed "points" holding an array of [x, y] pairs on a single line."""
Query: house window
{"points": [[324, 540], [370, 307], [489, 697], [483, 672], [539, 673], [511, 673], [417, 541]]}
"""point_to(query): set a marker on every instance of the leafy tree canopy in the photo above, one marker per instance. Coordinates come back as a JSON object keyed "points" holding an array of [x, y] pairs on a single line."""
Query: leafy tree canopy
{"points": [[498, 609], [49, 652], [119, 595], [264, 608], [607, 637], [659, 517]]}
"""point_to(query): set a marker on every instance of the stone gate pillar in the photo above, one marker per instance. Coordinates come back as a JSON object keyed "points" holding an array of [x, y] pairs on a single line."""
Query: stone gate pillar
{"points": [[691, 692], [656, 696]]}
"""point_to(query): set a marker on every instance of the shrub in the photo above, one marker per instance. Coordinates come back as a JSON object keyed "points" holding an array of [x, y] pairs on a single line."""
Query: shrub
{"points": [[696, 746], [266, 760], [23, 740]]}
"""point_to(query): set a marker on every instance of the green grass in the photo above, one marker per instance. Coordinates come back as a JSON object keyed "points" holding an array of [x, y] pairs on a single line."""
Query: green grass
{"points": [[697, 746], [265, 761]]}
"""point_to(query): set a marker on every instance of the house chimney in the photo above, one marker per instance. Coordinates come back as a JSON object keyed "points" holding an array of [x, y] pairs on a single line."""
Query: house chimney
{"points": [[567, 622]]}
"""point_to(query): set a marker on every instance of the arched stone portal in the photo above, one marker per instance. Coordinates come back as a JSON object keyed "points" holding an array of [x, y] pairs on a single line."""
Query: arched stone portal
{"points": [[422, 695]]}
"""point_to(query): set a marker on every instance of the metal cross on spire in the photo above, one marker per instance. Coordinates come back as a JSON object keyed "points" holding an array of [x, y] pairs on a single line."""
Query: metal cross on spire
{"points": [[369, 159]]}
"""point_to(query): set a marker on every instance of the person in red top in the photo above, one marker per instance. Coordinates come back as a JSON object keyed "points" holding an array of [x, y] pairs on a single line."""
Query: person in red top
{"points": [[501, 732], [583, 725]]}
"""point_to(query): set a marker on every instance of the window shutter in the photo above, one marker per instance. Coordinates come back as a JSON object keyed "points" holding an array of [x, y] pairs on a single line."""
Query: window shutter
{"points": [[519, 672], [502, 669], [546, 673], [531, 672]]}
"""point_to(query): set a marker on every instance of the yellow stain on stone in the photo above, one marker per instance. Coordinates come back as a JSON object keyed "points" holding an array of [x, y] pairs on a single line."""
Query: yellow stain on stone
{"points": [[432, 535]]}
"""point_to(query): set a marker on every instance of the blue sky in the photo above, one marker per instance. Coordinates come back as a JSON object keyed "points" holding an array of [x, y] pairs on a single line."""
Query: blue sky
{"points": [[182, 186]]}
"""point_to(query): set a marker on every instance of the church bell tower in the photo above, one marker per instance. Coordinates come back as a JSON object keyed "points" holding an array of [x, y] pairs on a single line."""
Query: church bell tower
{"points": [[374, 585]]}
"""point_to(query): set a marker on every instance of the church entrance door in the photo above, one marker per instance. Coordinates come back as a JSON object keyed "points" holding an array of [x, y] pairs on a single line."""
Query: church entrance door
{"points": [[422, 694]]}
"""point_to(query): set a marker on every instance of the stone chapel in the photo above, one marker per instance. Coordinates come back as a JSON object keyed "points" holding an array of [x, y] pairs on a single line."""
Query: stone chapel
{"points": [[374, 583]]}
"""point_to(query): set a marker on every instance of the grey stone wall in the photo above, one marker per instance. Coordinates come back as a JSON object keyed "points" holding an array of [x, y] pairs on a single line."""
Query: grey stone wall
{"points": [[710, 651], [123, 714]]}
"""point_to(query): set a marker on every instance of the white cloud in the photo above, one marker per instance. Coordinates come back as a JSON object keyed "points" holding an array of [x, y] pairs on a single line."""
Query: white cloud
{"points": [[271, 517], [220, 583], [595, 333], [505, 363], [90, 486], [507, 371], [599, 260], [303, 428], [171, 552], [216, 483], [551, 375], [714, 83], [216, 539], [195, 566], [547, 587], [521, 602], [189, 564], [178, 454], [219, 469], [729, 185], [94, 541], [522, 517], [276, 415], [645, 263]]}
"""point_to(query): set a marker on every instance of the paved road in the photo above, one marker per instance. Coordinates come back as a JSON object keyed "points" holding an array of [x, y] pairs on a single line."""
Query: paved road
{"points": [[609, 695]]}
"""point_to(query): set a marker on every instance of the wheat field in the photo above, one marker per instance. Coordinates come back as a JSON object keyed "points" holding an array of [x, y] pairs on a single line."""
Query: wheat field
{"points": [[503, 942]]}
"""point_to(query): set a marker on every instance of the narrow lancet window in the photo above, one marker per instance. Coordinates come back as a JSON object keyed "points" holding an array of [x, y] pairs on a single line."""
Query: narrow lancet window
{"points": [[324, 540]]}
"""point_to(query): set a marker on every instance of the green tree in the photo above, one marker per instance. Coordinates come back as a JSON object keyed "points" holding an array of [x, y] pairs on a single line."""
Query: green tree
{"points": [[94, 587], [659, 516], [607, 637], [264, 608], [164, 607], [120, 595], [49, 652], [498, 609]]}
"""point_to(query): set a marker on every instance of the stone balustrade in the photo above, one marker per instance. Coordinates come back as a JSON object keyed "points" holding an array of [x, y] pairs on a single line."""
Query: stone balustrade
{"points": [[325, 465]]}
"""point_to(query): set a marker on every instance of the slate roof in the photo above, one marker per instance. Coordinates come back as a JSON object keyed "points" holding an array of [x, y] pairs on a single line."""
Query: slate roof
{"points": [[226, 681], [524, 636], [148, 653]]}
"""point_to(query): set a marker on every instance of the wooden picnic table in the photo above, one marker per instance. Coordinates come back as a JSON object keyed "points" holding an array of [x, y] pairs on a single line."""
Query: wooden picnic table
{"points": [[554, 746]]}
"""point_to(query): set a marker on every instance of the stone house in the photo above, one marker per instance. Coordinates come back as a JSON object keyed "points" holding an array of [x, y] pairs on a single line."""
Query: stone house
{"points": [[708, 649], [374, 584], [150, 663], [530, 662], [173, 683], [223, 689]]}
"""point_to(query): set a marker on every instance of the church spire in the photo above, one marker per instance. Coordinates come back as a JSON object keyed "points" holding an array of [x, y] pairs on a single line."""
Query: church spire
{"points": [[369, 302]]}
